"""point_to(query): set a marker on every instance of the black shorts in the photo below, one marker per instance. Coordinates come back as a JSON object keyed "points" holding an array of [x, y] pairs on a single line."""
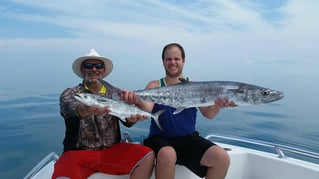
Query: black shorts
{"points": [[189, 150]]}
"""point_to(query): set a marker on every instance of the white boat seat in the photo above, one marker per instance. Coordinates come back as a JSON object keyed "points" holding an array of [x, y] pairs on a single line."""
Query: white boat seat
{"points": [[181, 172]]}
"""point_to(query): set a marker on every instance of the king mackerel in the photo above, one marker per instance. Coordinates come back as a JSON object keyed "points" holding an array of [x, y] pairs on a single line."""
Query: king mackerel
{"points": [[195, 94]]}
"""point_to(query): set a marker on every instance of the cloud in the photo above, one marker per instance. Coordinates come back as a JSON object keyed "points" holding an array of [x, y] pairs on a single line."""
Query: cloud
{"points": [[226, 29]]}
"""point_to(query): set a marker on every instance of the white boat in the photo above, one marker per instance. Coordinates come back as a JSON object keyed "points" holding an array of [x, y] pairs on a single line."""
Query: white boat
{"points": [[246, 163]]}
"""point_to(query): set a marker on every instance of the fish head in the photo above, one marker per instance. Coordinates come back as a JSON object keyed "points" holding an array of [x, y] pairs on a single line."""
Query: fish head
{"points": [[264, 95], [85, 98]]}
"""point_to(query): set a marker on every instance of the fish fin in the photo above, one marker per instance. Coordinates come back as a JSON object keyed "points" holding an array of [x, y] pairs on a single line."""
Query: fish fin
{"points": [[156, 115], [118, 116], [178, 110], [123, 119], [183, 80]]}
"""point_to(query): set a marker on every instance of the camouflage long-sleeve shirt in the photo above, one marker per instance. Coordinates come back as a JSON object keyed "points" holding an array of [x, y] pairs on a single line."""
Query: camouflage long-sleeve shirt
{"points": [[93, 131]]}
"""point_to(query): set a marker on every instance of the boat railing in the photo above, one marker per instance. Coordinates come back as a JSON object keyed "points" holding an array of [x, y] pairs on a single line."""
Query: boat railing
{"points": [[50, 157], [277, 147]]}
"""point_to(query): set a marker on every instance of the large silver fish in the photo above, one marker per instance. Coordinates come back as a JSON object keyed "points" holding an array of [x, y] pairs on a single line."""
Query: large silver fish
{"points": [[195, 94], [117, 108]]}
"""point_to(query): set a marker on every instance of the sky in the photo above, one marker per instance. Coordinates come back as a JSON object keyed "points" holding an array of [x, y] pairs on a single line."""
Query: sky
{"points": [[40, 39]]}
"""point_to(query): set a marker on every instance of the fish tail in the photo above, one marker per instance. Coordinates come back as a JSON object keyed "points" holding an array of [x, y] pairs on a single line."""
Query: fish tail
{"points": [[178, 110], [156, 115]]}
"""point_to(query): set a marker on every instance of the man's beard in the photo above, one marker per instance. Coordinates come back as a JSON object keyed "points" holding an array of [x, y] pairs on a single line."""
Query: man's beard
{"points": [[88, 80]]}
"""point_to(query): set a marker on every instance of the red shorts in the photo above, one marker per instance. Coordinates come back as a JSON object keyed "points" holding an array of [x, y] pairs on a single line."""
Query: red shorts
{"points": [[119, 159]]}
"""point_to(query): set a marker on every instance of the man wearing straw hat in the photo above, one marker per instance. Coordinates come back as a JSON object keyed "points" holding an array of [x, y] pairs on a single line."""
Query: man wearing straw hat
{"points": [[92, 140]]}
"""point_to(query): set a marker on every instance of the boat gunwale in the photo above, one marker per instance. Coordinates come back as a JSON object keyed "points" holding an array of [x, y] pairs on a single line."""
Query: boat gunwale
{"points": [[277, 147], [47, 159]]}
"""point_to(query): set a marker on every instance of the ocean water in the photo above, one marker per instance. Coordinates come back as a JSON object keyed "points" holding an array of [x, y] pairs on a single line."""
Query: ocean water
{"points": [[31, 126]]}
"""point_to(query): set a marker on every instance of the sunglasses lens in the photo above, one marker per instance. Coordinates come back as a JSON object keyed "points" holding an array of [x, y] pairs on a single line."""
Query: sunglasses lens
{"points": [[99, 66], [87, 65], [91, 65]]}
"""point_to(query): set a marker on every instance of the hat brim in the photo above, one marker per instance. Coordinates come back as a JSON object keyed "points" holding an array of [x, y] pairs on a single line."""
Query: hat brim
{"points": [[108, 65]]}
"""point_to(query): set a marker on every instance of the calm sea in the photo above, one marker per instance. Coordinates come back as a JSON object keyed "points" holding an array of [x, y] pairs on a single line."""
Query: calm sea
{"points": [[32, 127]]}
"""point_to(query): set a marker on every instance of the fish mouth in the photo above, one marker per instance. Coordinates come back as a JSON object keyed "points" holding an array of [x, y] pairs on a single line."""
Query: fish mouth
{"points": [[77, 95], [278, 95]]}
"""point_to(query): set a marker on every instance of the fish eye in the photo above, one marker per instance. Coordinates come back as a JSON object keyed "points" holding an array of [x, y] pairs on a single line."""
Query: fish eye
{"points": [[265, 92]]}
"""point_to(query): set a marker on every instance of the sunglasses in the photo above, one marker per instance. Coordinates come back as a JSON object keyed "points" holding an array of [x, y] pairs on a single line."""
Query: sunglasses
{"points": [[91, 65]]}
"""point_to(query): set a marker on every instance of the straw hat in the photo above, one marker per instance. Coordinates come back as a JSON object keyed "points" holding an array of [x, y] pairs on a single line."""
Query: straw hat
{"points": [[108, 65]]}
